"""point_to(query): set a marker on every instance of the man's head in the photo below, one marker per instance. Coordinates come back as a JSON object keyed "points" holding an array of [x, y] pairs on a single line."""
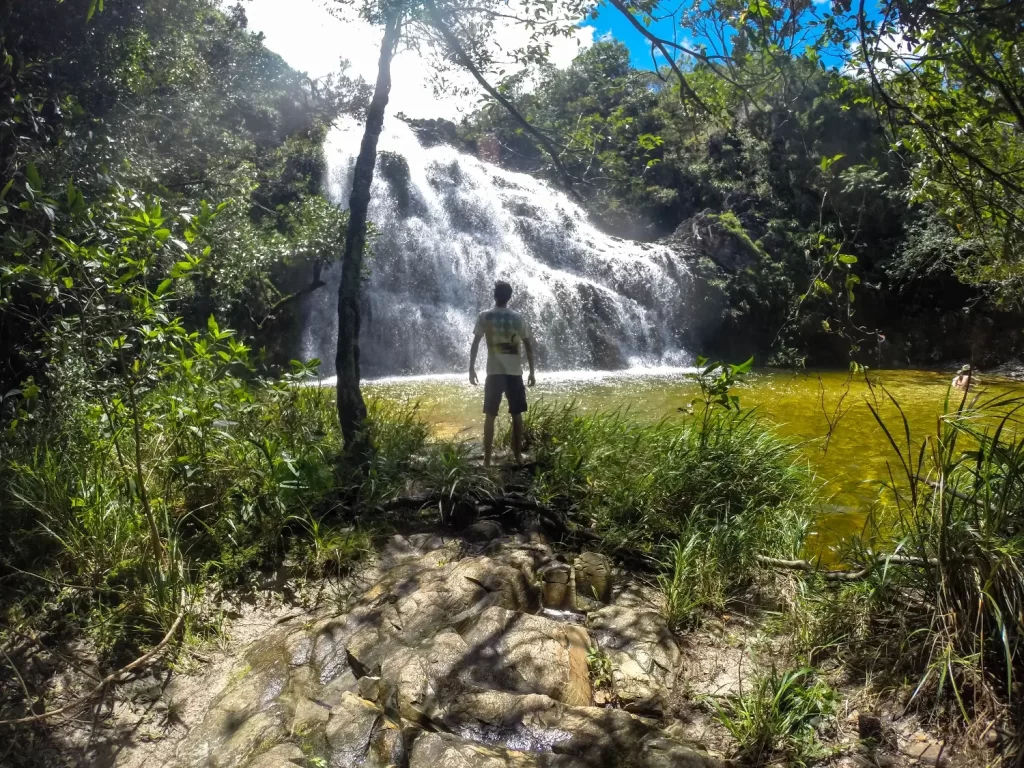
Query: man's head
{"points": [[502, 293]]}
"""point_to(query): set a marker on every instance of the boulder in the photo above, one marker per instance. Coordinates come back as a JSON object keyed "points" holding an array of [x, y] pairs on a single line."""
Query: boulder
{"points": [[719, 237], [643, 653], [416, 684], [441, 750], [281, 756], [568, 736], [245, 720], [440, 664], [529, 654], [359, 734], [557, 587], [451, 596]]}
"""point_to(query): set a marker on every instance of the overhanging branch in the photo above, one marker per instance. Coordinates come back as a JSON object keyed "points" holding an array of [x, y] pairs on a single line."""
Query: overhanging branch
{"points": [[460, 53]]}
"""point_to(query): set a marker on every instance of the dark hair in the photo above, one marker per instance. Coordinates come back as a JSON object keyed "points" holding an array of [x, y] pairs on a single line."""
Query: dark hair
{"points": [[502, 292]]}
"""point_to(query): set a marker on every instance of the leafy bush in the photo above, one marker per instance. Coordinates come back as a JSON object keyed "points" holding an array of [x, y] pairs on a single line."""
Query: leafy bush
{"points": [[778, 716]]}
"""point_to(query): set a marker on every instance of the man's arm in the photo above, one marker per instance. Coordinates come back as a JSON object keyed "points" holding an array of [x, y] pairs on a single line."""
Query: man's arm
{"points": [[529, 358], [472, 357]]}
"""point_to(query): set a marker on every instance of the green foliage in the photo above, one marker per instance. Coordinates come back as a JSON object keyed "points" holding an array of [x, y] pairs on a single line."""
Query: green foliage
{"points": [[600, 666], [778, 717], [958, 511], [716, 381], [173, 107], [644, 484]]}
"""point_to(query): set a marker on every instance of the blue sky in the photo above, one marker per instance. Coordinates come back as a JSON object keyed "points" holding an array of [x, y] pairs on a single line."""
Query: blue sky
{"points": [[611, 22]]}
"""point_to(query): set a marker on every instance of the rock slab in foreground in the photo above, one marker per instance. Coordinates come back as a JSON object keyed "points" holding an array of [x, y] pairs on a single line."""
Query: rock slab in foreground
{"points": [[440, 665]]}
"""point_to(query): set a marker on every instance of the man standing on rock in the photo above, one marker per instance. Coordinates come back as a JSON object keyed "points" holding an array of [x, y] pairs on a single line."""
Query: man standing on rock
{"points": [[505, 331]]}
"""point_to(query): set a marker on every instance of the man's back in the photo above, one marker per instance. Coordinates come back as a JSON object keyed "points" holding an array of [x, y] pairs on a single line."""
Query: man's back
{"points": [[505, 331]]}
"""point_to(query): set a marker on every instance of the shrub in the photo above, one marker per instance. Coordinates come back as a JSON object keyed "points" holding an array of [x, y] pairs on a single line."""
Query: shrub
{"points": [[778, 716]]}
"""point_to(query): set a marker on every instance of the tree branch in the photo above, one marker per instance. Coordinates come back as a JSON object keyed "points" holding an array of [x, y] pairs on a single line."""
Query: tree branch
{"points": [[460, 53], [111, 679], [808, 567], [660, 44]]}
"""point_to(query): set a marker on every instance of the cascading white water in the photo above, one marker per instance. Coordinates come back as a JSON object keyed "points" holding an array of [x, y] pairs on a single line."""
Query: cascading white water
{"points": [[448, 225]]}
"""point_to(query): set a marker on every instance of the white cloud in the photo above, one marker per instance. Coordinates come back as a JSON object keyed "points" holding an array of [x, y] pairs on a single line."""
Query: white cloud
{"points": [[313, 40]]}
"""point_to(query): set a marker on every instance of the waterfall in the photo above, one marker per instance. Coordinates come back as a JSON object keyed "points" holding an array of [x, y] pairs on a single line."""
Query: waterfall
{"points": [[447, 225]]}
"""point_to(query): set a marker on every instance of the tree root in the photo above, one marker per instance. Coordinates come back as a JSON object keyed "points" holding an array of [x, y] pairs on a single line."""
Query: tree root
{"points": [[110, 680]]}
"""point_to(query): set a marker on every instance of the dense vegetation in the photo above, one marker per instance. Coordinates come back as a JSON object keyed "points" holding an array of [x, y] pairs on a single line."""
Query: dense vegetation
{"points": [[160, 176]]}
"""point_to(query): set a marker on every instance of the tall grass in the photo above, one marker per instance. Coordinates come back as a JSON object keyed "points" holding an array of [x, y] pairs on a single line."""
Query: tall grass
{"points": [[776, 720], [959, 508], [236, 472], [945, 607], [713, 491]]}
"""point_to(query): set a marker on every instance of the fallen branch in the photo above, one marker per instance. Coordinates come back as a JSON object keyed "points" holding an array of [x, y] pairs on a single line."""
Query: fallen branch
{"points": [[809, 567], [111, 679], [943, 488]]}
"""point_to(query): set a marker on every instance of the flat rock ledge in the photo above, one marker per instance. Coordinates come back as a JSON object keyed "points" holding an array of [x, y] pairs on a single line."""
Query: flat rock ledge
{"points": [[450, 660]]}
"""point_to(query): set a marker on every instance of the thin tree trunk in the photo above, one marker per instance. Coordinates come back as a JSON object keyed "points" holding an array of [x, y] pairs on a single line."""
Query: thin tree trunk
{"points": [[351, 407]]}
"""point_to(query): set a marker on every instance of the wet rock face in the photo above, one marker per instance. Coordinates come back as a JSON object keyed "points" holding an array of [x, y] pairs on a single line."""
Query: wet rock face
{"points": [[443, 662]]}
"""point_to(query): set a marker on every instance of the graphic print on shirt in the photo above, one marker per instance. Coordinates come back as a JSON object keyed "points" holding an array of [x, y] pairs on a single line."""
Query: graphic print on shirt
{"points": [[505, 330]]}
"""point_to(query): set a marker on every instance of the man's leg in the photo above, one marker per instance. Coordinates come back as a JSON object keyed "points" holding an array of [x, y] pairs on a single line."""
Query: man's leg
{"points": [[516, 391], [488, 437], [517, 437], [494, 388]]}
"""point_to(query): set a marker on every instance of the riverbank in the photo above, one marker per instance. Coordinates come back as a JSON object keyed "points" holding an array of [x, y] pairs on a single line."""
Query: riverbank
{"points": [[827, 414]]}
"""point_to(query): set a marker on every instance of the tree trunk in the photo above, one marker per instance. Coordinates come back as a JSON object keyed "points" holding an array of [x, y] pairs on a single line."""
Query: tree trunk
{"points": [[351, 408]]}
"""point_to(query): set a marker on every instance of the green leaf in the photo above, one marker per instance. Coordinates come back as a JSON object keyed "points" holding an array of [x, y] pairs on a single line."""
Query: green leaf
{"points": [[162, 288], [7, 189], [847, 258], [212, 326], [743, 367], [32, 174]]}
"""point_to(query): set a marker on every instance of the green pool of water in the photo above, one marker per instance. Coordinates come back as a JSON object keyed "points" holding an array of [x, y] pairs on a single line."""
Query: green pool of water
{"points": [[850, 460]]}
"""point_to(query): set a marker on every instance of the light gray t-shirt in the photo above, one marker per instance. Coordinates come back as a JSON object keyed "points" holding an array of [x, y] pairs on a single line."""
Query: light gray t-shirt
{"points": [[505, 331]]}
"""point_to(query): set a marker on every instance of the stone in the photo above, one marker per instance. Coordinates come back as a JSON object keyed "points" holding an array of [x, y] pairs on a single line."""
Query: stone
{"points": [[451, 596], [483, 531], [593, 573], [529, 654], [576, 736], [643, 653], [359, 734], [281, 756], [557, 587], [929, 752], [442, 750], [439, 645], [420, 681], [246, 719]]}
